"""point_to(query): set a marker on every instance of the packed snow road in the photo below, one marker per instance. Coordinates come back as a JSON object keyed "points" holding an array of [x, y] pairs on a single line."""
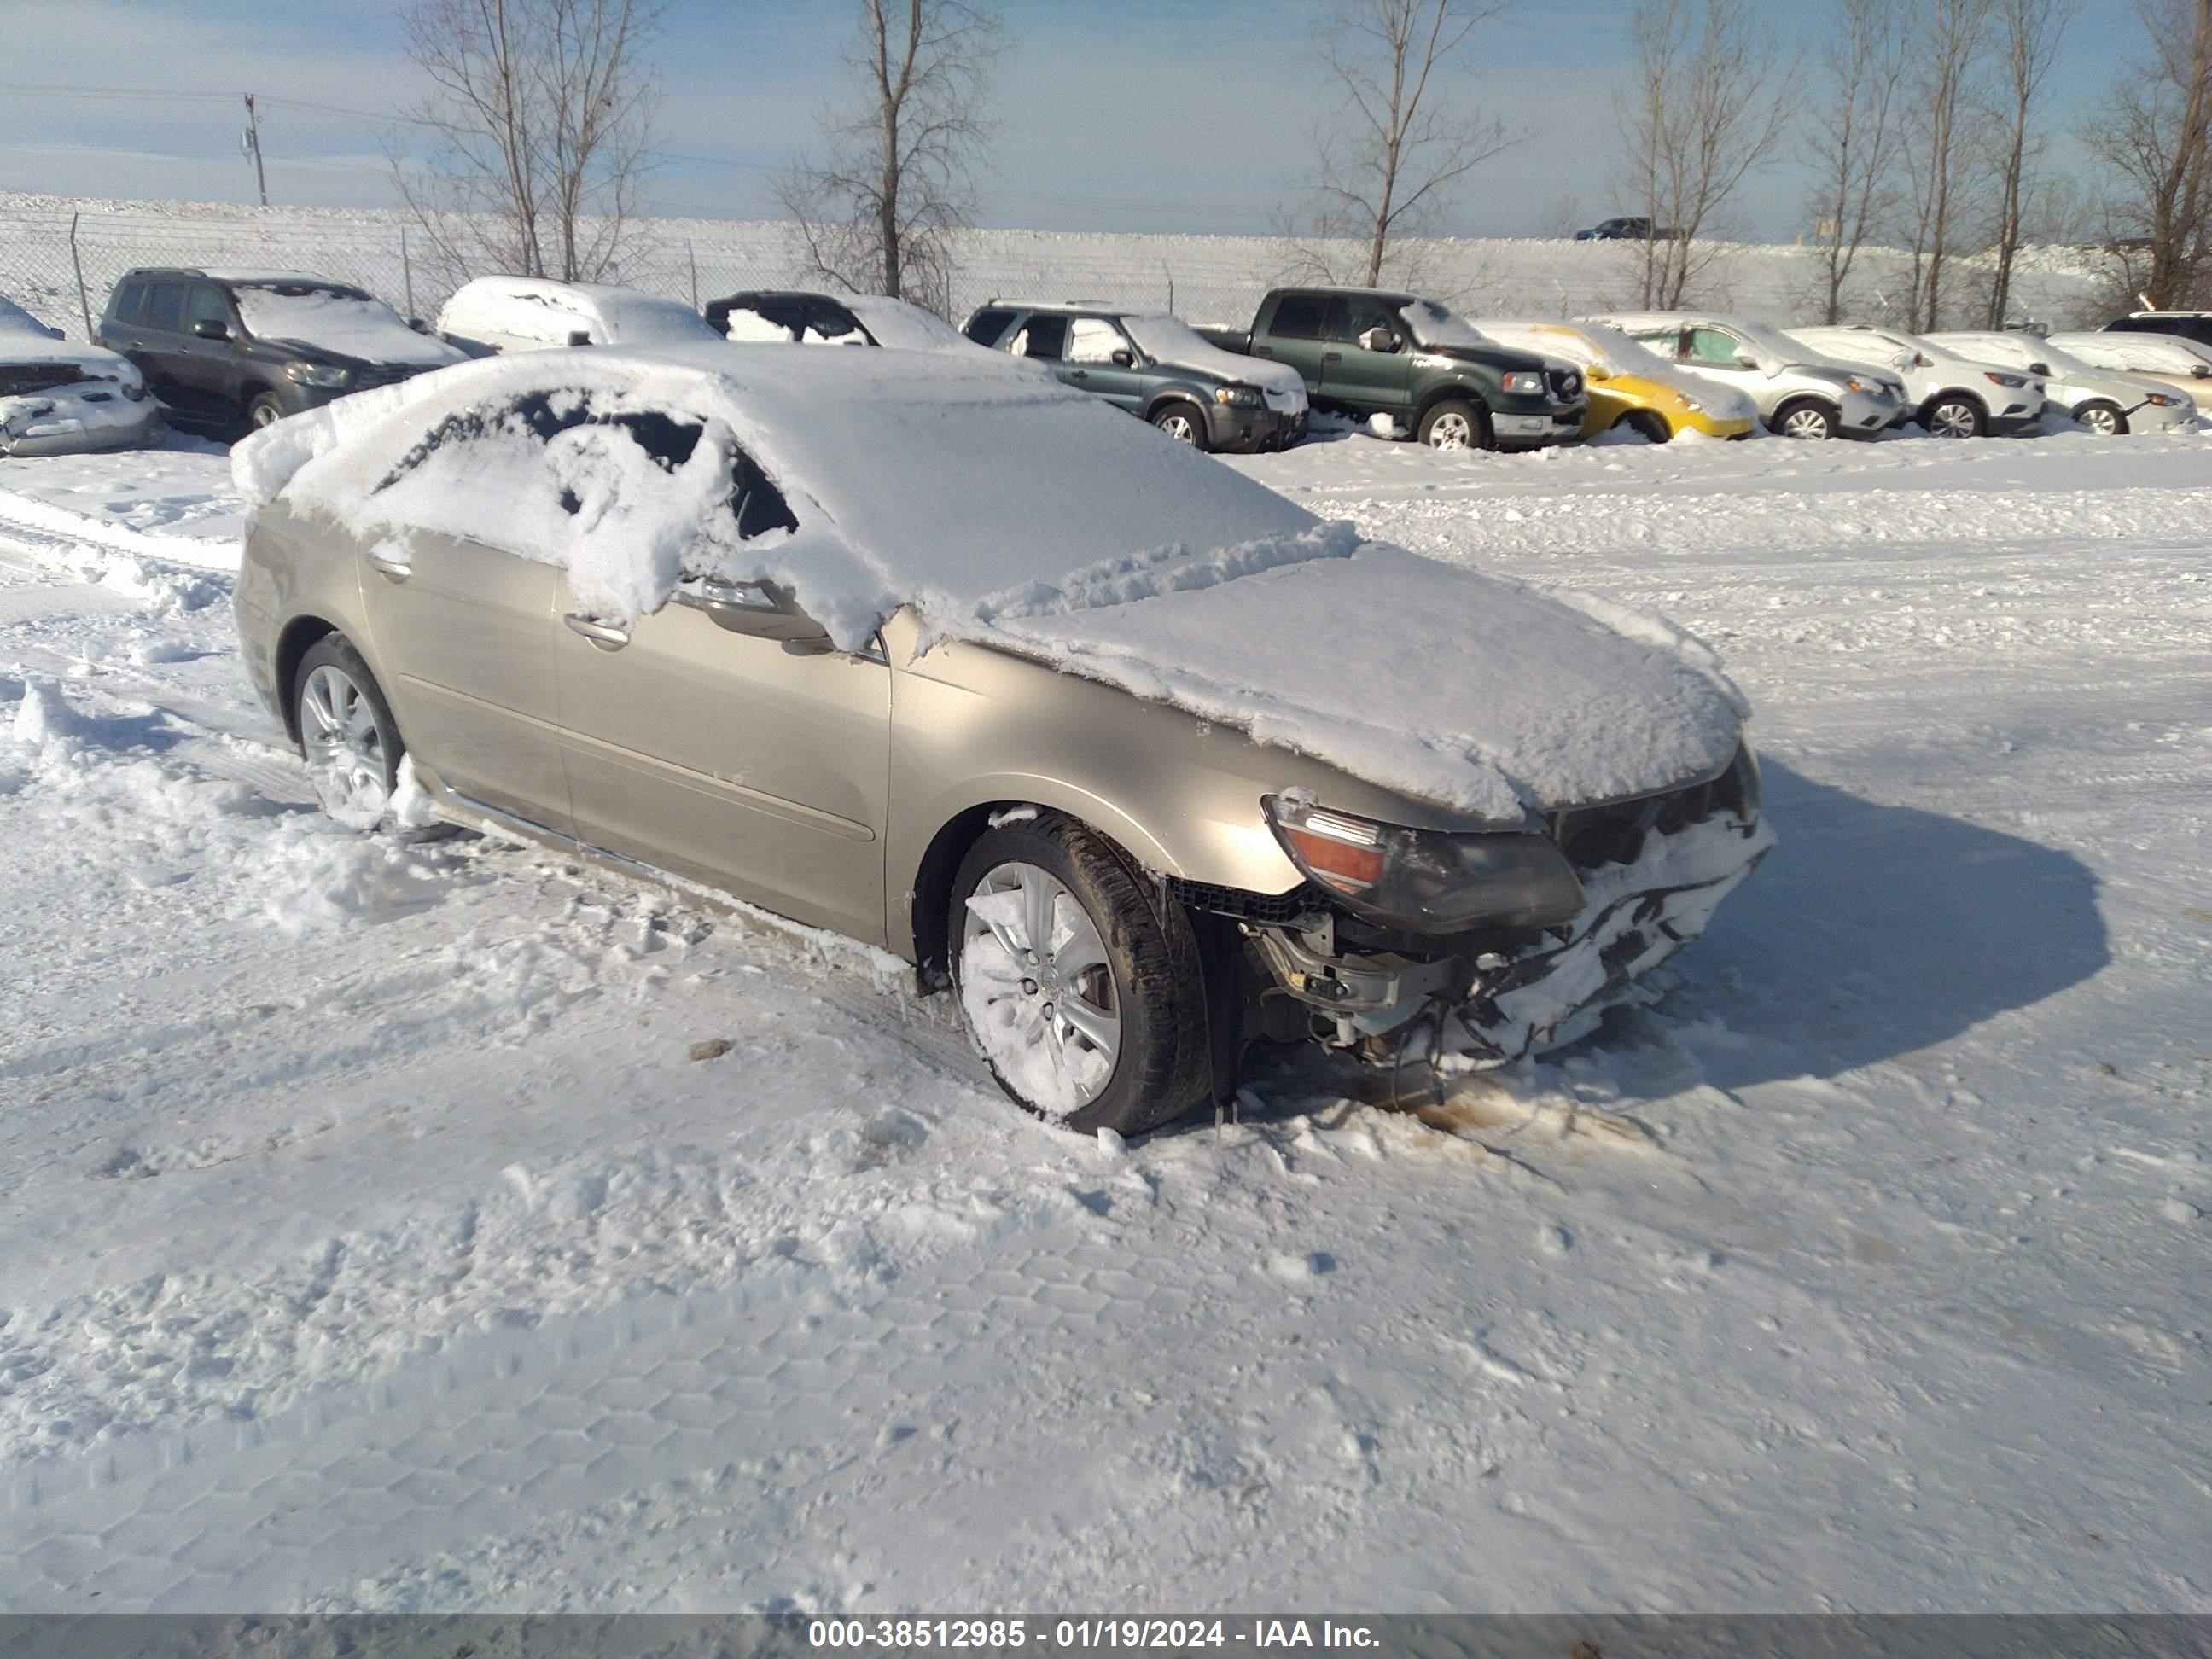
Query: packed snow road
{"points": [[373, 1240]]}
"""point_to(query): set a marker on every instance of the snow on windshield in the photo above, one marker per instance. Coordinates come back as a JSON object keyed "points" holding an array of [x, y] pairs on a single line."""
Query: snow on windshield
{"points": [[1016, 512], [1171, 340], [904, 327], [1432, 325], [351, 325], [1588, 345]]}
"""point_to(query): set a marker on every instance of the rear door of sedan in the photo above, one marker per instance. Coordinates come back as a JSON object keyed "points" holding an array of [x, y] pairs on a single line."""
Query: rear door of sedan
{"points": [[760, 768]]}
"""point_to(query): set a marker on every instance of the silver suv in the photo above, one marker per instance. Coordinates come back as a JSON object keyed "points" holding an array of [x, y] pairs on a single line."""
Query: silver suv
{"points": [[970, 668]]}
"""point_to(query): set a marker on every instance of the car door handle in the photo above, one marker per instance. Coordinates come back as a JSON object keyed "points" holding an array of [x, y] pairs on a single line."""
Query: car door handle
{"points": [[1332, 356], [606, 635], [392, 566], [1079, 375], [1263, 351]]}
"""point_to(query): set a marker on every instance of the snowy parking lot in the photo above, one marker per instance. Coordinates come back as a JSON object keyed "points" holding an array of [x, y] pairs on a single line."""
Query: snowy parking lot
{"points": [[375, 1240]]}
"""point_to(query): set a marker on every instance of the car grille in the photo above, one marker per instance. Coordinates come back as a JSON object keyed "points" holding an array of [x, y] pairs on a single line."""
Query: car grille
{"points": [[1594, 836], [1279, 909], [384, 374], [22, 380]]}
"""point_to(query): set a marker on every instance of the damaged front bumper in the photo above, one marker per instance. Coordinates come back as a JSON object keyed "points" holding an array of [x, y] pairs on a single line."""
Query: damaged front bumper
{"points": [[1499, 999]]}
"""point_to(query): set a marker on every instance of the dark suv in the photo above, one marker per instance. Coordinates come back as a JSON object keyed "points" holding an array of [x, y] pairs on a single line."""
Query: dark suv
{"points": [[2194, 326], [219, 348]]}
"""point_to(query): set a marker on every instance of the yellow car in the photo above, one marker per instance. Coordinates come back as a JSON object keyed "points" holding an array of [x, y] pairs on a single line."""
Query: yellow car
{"points": [[1631, 386]]}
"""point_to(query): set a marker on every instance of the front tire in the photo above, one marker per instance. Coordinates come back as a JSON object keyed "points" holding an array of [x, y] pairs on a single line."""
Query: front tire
{"points": [[263, 411], [1954, 418], [1807, 422], [1648, 423], [1184, 422], [2106, 420], [1455, 423], [347, 735], [1077, 982]]}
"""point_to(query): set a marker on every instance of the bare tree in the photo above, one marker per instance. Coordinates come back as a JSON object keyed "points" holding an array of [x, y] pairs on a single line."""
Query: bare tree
{"points": [[1709, 104], [541, 114], [1387, 162], [2028, 33], [1855, 139], [2156, 138], [876, 210], [1946, 50]]}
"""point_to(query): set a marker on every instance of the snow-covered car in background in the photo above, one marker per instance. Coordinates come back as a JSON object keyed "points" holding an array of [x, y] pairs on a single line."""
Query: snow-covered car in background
{"points": [[2180, 362], [974, 669], [535, 314], [790, 315], [225, 348], [1799, 393], [1951, 395], [2105, 400], [1629, 386], [57, 399]]}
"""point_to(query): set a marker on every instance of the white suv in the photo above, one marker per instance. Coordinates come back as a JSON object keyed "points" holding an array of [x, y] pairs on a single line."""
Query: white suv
{"points": [[2105, 400], [1953, 396], [1798, 393], [2180, 363]]}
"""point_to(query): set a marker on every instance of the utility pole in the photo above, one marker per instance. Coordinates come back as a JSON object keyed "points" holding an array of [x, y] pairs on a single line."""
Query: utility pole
{"points": [[252, 147]]}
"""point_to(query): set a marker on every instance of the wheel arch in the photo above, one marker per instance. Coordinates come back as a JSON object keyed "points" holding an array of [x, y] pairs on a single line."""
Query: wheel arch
{"points": [[925, 927], [1173, 394], [1451, 392], [1946, 394], [1833, 407]]}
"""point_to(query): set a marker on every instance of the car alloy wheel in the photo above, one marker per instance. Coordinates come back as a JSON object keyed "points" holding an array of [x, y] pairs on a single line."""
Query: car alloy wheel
{"points": [[348, 760], [1037, 987], [1954, 420], [1808, 423], [1451, 430], [2102, 419], [1178, 424]]}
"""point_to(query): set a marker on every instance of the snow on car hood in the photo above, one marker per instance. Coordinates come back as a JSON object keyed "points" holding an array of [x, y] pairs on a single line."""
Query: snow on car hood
{"points": [[322, 319], [34, 346], [1170, 340], [1018, 513]]}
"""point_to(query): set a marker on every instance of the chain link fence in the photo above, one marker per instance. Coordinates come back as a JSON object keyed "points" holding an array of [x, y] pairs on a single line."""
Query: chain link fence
{"points": [[59, 260]]}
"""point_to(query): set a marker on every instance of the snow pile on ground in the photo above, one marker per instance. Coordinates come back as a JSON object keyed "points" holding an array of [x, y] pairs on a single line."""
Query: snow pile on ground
{"points": [[174, 505], [344, 323]]}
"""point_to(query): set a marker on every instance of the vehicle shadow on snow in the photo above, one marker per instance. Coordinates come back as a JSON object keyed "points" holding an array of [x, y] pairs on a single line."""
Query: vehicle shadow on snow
{"points": [[1871, 932]]}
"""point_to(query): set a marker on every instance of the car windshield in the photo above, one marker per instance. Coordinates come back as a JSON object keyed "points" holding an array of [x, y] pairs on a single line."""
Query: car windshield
{"points": [[1775, 344], [1431, 325], [1614, 350]]}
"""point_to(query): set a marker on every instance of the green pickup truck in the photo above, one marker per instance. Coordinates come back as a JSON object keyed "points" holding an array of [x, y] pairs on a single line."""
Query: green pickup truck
{"points": [[1365, 352]]}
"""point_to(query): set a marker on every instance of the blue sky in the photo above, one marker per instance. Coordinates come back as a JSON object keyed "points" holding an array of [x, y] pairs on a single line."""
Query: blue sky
{"points": [[1169, 115]]}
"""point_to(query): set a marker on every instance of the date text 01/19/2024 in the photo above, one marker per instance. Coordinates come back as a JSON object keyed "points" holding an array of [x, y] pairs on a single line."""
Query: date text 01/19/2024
{"points": [[998, 1634]]}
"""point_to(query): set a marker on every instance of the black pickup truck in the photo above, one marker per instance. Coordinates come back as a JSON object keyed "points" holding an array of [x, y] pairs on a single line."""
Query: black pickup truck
{"points": [[1365, 352]]}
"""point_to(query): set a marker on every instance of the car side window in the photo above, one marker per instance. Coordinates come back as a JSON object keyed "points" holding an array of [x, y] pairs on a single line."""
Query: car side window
{"points": [[1093, 340], [123, 304], [755, 503], [1349, 318], [1667, 342], [1715, 346], [207, 305], [985, 327], [1042, 336], [1299, 316], [163, 306]]}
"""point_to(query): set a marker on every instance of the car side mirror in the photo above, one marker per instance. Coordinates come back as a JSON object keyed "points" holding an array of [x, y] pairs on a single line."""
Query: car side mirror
{"points": [[579, 337], [761, 611], [1379, 339], [1921, 359], [2038, 368], [2200, 371], [53, 333], [1124, 358], [211, 328], [1747, 363], [418, 325]]}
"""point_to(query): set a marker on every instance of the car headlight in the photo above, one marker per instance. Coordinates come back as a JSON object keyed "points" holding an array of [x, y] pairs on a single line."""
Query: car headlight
{"points": [[1521, 379], [317, 373], [1239, 396], [1425, 880], [1690, 404], [1996, 378], [2165, 401]]}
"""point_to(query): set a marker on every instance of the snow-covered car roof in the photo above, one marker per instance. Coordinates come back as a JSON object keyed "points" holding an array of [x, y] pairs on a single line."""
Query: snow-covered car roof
{"points": [[539, 308], [273, 278], [1019, 514], [2113, 348], [2014, 350]]}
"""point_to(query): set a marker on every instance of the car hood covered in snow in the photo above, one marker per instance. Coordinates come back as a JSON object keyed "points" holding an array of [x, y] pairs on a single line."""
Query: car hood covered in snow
{"points": [[1170, 340], [345, 324], [1030, 517]]}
